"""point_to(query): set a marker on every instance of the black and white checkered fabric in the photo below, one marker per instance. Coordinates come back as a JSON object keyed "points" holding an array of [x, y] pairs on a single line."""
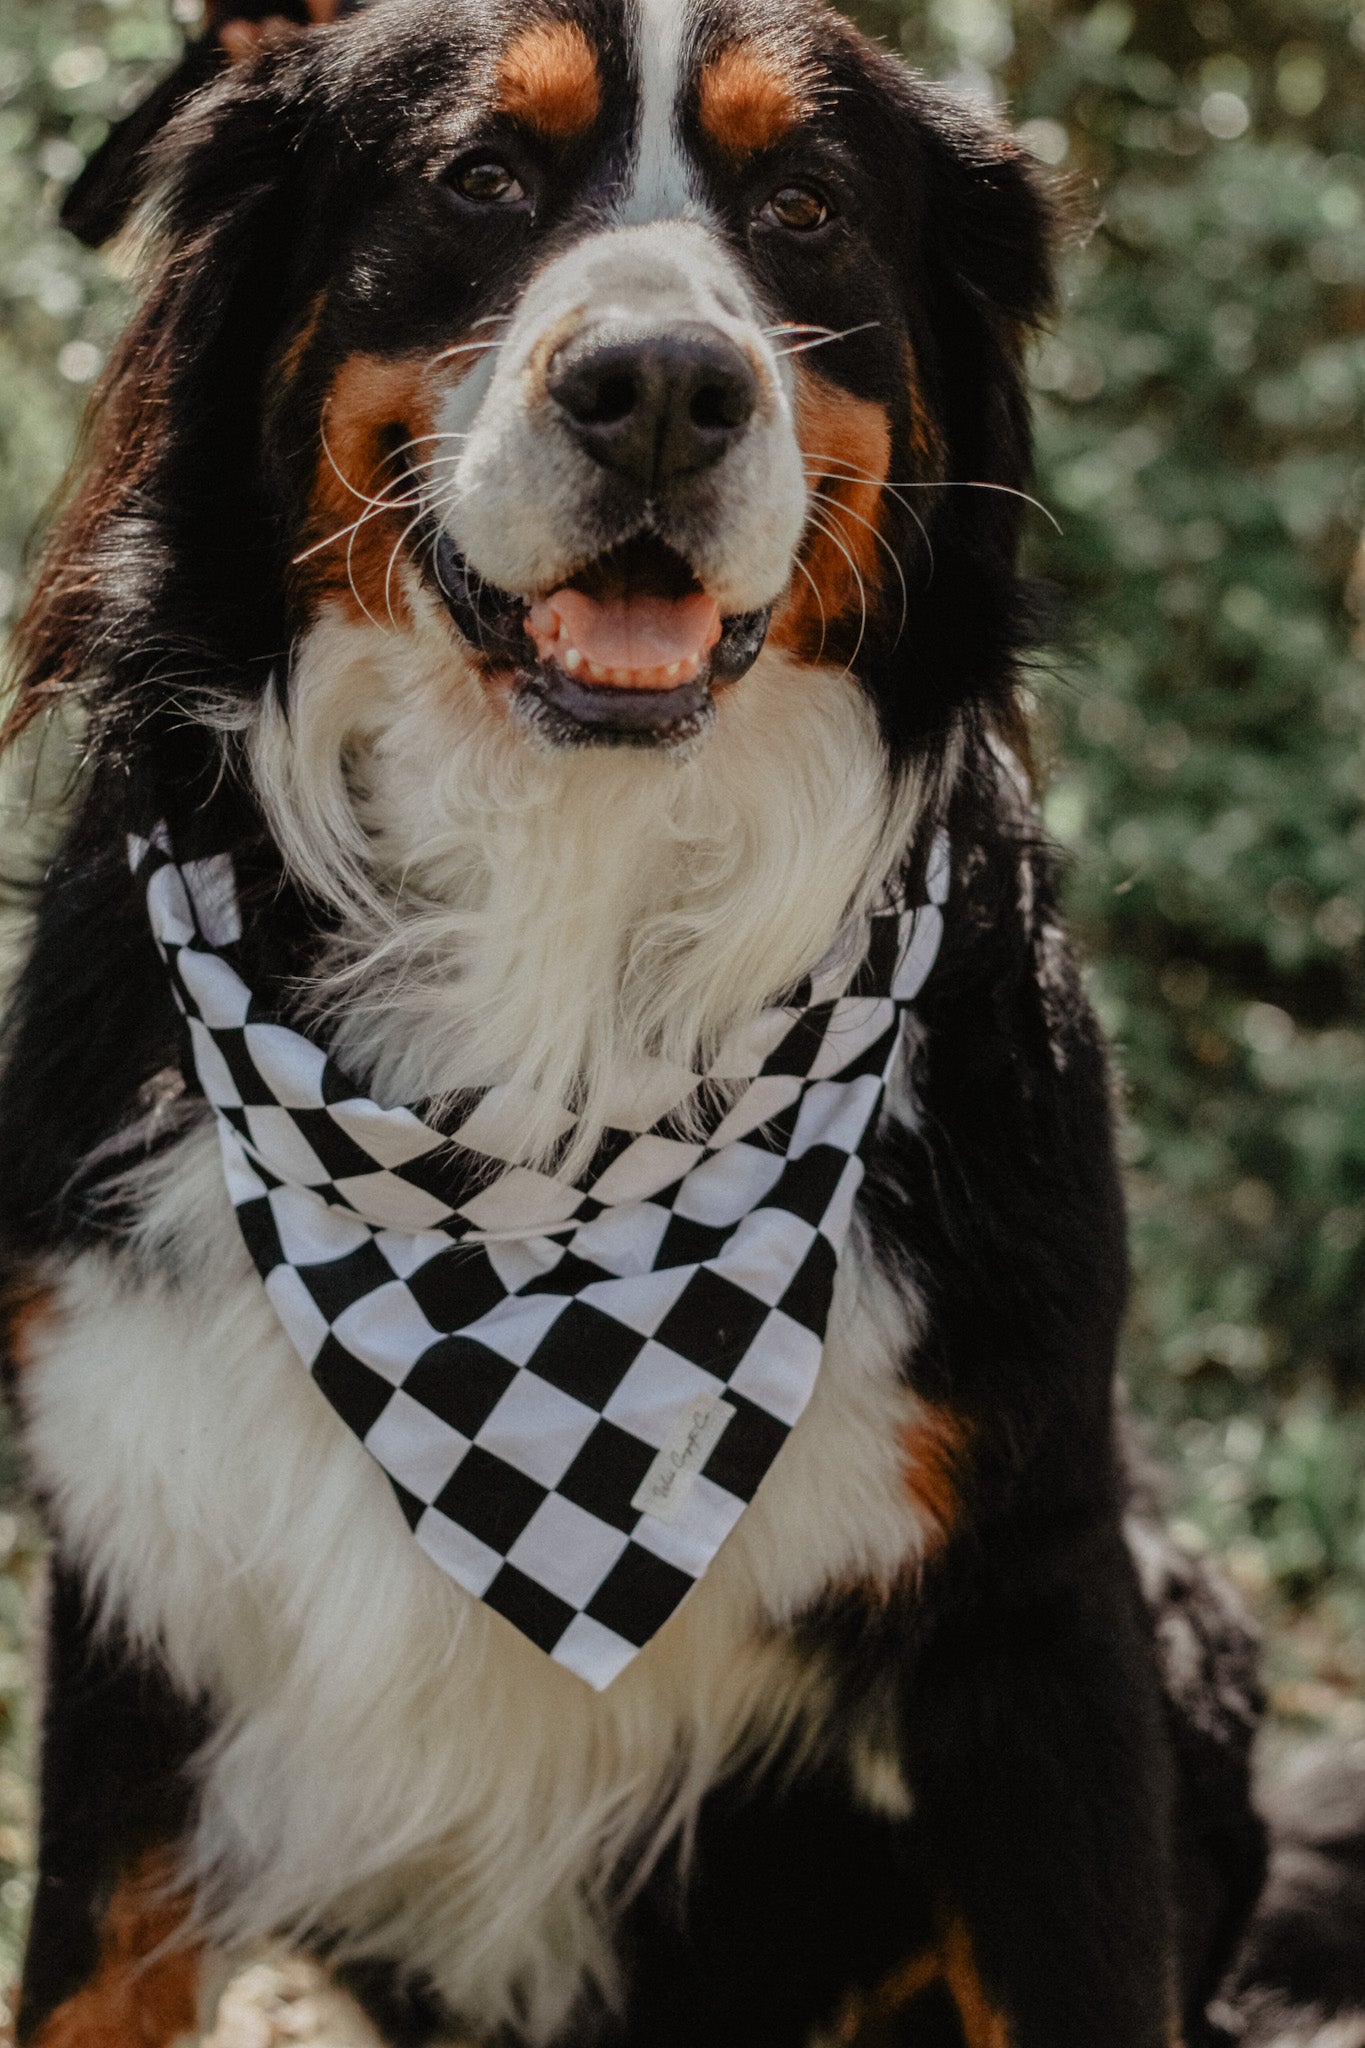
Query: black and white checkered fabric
{"points": [[574, 1388]]}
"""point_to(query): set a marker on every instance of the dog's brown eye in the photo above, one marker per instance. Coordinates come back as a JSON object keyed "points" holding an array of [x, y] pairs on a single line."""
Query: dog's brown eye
{"points": [[798, 207], [484, 181]]}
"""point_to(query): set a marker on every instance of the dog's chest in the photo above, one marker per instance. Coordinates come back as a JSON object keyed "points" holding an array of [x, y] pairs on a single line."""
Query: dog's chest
{"points": [[390, 1756]]}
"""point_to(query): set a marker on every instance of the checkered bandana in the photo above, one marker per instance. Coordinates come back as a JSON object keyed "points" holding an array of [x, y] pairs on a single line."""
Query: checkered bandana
{"points": [[574, 1388]]}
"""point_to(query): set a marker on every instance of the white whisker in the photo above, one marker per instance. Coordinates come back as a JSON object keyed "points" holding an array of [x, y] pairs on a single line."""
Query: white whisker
{"points": [[847, 512], [820, 527], [371, 512], [419, 440], [863, 476], [947, 484], [800, 348], [364, 497], [350, 574], [461, 348], [394, 553], [824, 622]]}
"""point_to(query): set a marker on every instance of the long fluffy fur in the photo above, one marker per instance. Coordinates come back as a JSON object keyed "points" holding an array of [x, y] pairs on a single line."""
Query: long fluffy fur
{"points": [[575, 928]]}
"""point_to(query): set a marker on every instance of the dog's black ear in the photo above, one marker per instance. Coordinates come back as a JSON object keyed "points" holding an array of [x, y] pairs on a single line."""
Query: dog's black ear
{"points": [[134, 578], [104, 195], [982, 280], [968, 197], [102, 198], [988, 219], [974, 230], [987, 241], [968, 225]]}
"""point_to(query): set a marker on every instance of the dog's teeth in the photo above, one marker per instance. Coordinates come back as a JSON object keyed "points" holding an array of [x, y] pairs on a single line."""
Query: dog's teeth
{"points": [[673, 671], [571, 659]]}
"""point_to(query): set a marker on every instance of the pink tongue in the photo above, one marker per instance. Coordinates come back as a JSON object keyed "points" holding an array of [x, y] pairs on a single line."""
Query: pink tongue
{"points": [[635, 632]]}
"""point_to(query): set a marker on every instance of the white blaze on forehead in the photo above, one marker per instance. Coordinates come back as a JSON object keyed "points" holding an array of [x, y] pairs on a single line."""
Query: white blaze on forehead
{"points": [[661, 183]]}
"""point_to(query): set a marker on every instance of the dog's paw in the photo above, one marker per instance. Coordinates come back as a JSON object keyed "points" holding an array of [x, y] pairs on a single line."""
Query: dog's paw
{"points": [[289, 2003]]}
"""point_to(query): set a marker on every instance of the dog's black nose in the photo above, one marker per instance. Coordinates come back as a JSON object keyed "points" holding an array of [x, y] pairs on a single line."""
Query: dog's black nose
{"points": [[655, 407]]}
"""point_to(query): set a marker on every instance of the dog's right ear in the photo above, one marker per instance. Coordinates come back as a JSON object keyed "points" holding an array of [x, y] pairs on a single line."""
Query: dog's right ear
{"points": [[134, 582], [104, 195]]}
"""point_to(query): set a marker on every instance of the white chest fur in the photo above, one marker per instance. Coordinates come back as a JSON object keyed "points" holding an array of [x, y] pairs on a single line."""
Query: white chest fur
{"points": [[390, 1756]]}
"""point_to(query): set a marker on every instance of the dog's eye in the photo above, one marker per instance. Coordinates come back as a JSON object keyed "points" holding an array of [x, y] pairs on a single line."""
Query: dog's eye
{"points": [[799, 208], [486, 181]]}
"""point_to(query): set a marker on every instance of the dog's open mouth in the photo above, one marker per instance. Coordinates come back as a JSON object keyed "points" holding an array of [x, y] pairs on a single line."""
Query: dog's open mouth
{"points": [[635, 619], [628, 650]]}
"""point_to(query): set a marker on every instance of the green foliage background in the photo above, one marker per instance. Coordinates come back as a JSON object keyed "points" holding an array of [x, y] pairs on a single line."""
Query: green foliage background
{"points": [[1200, 405]]}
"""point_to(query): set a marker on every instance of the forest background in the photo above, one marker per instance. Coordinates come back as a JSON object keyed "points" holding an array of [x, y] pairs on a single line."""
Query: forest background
{"points": [[1203, 735]]}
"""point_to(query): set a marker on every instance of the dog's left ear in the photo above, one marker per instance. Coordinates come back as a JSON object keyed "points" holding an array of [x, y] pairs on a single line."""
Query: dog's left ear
{"points": [[987, 242], [988, 218], [980, 271], [971, 232]]}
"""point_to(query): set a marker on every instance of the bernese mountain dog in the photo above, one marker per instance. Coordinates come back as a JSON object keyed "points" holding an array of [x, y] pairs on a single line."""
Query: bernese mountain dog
{"points": [[563, 1251]]}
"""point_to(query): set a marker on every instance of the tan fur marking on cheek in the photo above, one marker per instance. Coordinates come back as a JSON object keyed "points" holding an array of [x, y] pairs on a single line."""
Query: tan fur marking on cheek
{"points": [[748, 101], [362, 498], [846, 443], [145, 1989], [549, 79]]}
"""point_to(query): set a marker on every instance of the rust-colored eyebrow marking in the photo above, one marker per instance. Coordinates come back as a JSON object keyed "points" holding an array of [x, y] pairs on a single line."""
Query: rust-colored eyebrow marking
{"points": [[748, 100], [549, 79]]}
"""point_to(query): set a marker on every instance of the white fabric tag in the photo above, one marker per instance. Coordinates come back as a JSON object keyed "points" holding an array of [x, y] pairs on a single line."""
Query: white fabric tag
{"points": [[663, 1491]]}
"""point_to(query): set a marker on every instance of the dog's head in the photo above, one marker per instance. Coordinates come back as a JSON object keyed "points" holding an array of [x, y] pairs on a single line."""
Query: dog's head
{"points": [[628, 338]]}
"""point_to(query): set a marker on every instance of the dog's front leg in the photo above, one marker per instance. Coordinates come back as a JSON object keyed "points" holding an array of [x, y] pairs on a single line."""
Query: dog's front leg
{"points": [[109, 1963], [1039, 1775]]}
